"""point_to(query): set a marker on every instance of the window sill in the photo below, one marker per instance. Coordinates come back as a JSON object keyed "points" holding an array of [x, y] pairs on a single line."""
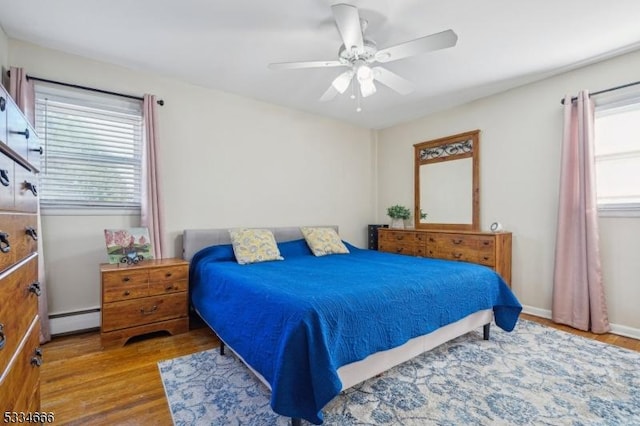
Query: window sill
{"points": [[627, 211], [79, 211]]}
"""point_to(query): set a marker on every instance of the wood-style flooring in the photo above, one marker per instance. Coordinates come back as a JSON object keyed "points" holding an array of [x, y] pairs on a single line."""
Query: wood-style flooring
{"points": [[85, 385]]}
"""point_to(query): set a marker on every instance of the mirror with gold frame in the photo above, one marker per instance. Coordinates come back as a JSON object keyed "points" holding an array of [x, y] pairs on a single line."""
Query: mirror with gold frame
{"points": [[447, 187]]}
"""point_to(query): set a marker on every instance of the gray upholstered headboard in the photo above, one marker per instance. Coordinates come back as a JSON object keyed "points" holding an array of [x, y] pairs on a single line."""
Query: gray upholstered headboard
{"points": [[194, 240]]}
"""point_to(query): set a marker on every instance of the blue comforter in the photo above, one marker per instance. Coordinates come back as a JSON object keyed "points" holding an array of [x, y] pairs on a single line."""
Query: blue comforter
{"points": [[296, 321]]}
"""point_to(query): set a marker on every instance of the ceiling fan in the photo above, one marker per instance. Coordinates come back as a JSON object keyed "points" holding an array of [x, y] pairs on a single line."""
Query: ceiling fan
{"points": [[359, 54]]}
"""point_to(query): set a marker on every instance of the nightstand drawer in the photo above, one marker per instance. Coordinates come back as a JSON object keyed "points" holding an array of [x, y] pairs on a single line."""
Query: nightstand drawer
{"points": [[130, 313], [167, 287], [125, 279], [117, 292], [168, 274]]}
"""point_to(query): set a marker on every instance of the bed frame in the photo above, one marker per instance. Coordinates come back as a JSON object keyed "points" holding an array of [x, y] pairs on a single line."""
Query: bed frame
{"points": [[359, 371]]}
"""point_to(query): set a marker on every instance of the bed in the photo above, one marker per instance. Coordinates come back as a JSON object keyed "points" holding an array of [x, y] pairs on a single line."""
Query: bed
{"points": [[310, 327]]}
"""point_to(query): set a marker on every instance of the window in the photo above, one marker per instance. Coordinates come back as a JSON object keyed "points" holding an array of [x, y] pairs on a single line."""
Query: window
{"points": [[617, 156], [93, 149]]}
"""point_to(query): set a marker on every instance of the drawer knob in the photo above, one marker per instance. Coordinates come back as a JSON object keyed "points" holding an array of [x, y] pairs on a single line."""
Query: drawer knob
{"points": [[3, 103], [127, 293], [31, 187], [457, 255], [2, 338], [24, 133], [36, 361], [168, 274], [456, 241], [4, 177], [5, 247], [169, 288], [32, 233], [34, 288], [39, 150], [399, 249], [38, 352], [126, 279], [150, 311]]}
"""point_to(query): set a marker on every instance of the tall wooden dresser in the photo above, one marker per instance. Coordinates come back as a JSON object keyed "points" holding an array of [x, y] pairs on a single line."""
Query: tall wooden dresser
{"points": [[20, 355], [486, 248]]}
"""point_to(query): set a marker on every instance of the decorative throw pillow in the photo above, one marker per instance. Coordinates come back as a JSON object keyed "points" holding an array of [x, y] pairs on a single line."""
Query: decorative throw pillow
{"points": [[323, 241], [254, 245]]}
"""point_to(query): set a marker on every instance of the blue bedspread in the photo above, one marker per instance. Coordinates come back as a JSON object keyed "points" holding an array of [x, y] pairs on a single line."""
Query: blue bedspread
{"points": [[298, 320]]}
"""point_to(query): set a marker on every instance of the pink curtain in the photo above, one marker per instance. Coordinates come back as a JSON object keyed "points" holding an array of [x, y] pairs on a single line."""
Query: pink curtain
{"points": [[151, 212], [22, 92], [578, 291]]}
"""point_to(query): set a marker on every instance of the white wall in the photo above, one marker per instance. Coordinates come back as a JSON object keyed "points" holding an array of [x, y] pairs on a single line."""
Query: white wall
{"points": [[226, 161], [521, 133]]}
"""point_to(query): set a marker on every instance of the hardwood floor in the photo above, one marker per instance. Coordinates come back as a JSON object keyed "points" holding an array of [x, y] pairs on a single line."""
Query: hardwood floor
{"points": [[83, 384]]}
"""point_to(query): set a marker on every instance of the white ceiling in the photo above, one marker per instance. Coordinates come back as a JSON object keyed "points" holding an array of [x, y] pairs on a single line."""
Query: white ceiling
{"points": [[227, 44]]}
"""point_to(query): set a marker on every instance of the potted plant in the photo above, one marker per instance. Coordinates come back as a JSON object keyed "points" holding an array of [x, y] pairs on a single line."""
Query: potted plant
{"points": [[398, 215]]}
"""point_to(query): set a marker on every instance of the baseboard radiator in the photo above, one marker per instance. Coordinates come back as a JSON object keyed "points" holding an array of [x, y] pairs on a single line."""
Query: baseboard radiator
{"points": [[75, 322]]}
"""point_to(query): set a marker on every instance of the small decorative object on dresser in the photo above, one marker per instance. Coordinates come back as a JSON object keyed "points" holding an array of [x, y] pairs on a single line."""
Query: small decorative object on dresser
{"points": [[491, 249], [128, 245], [398, 215], [143, 298]]}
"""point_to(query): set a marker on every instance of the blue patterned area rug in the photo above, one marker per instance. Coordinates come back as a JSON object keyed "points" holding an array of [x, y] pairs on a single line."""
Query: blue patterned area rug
{"points": [[535, 375]]}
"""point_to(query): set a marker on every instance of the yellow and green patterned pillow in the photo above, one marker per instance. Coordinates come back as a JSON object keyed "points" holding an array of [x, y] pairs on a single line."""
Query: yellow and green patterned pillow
{"points": [[254, 245], [323, 241]]}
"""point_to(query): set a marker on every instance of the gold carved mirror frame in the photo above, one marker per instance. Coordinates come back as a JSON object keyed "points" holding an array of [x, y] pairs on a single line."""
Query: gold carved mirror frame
{"points": [[447, 184]]}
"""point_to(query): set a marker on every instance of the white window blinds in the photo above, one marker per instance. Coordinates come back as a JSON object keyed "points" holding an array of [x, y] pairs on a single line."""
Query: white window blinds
{"points": [[617, 157], [93, 148]]}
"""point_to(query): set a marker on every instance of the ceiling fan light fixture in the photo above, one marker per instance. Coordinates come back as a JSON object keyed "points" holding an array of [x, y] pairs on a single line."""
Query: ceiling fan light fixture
{"points": [[367, 88], [364, 73]]}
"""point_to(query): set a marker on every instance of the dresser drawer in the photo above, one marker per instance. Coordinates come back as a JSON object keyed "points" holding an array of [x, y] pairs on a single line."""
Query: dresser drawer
{"points": [[18, 293], [125, 279], [7, 182], [26, 190], [26, 235], [168, 274], [397, 247], [130, 313], [117, 292], [17, 129], [167, 287], [396, 236], [19, 387], [464, 254]]}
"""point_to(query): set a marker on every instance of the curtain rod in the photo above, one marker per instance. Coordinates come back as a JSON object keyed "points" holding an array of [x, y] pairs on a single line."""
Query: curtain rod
{"points": [[92, 89], [575, 98]]}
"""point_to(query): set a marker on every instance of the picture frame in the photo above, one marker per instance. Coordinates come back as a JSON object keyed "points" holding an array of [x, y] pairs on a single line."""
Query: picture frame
{"points": [[128, 246]]}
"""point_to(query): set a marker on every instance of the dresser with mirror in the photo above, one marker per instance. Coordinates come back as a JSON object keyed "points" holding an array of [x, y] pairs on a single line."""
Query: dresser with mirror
{"points": [[447, 208]]}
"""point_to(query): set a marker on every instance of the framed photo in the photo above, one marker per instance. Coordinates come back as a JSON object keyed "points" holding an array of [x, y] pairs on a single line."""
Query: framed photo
{"points": [[128, 246]]}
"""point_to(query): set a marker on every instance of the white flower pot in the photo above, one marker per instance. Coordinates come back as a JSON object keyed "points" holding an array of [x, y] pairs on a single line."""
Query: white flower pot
{"points": [[396, 223]]}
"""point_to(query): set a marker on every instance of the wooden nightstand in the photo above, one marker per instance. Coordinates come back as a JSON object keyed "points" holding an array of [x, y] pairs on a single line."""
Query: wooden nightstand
{"points": [[143, 298]]}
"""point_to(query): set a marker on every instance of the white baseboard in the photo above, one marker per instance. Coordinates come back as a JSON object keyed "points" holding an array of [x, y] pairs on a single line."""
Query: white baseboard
{"points": [[70, 323], [621, 330]]}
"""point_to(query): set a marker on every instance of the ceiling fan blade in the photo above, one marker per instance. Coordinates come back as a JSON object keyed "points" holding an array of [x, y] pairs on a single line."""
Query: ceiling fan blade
{"points": [[436, 41], [367, 88], [348, 22], [392, 80], [339, 85], [329, 94], [341, 82], [308, 64]]}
